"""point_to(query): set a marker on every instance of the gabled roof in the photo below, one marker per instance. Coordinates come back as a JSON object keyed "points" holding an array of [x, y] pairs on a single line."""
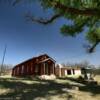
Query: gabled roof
{"points": [[38, 57], [47, 60]]}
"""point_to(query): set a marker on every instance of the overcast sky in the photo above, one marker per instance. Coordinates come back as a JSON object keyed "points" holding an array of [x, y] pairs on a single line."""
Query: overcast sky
{"points": [[25, 39]]}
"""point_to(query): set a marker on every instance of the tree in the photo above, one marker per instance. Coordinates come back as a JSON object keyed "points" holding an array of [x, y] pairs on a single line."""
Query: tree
{"points": [[82, 13], [85, 64], [6, 69]]}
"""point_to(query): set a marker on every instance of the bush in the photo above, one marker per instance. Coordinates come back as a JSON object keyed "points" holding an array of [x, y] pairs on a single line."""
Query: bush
{"points": [[80, 78]]}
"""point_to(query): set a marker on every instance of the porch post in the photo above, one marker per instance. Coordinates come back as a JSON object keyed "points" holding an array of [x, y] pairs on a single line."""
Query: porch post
{"points": [[71, 71], [59, 71], [53, 68], [44, 68]]}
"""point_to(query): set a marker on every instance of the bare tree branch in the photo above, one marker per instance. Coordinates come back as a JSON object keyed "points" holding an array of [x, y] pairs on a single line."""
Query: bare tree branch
{"points": [[16, 2], [43, 21], [91, 49]]}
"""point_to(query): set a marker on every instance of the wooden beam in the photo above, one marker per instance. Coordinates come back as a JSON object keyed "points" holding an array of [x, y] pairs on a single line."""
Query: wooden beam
{"points": [[44, 68]]}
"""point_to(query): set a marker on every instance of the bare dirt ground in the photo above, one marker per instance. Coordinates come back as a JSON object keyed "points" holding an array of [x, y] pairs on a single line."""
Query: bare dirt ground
{"points": [[58, 89]]}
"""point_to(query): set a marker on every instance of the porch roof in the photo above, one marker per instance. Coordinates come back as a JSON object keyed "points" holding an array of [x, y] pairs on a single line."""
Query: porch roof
{"points": [[47, 60]]}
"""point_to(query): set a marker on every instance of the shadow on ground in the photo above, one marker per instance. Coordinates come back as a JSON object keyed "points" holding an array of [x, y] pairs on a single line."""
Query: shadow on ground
{"points": [[24, 91], [87, 87], [41, 88]]}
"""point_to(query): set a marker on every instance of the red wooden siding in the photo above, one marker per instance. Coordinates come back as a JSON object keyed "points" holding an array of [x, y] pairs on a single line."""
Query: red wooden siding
{"points": [[35, 66]]}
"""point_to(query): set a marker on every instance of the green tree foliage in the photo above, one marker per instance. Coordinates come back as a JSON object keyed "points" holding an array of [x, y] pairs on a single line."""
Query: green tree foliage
{"points": [[82, 13]]}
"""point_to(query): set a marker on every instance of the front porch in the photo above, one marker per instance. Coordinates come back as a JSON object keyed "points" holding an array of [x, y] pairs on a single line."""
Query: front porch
{"points": [[45, 68]]}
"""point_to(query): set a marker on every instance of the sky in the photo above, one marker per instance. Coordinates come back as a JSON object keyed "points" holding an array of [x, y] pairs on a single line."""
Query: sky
{"points": [[25, 39]]}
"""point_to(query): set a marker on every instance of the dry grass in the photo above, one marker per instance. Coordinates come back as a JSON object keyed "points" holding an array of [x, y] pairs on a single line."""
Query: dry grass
{"points": [[97, 78], [59, 89]]}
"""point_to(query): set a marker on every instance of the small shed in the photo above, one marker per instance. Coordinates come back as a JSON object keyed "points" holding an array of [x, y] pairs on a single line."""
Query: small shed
{"points": [[68, 71]]}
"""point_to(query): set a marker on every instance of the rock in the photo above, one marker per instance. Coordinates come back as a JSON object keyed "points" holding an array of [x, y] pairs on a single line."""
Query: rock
{"points": [[75, 88], [47, 77]]}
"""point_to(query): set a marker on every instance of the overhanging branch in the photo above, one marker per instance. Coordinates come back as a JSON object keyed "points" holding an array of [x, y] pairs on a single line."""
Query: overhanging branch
{"points": [[16, 2], [92, 48], [71, 10], [43, 21]]}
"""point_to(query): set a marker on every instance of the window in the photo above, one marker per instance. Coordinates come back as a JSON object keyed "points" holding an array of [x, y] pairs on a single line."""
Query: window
{"points": [[69, 72], [36, 68], [22, 71], [37, 60], [46, 68], [31, 68], [14, 72], [27, 67], [17, 70]]}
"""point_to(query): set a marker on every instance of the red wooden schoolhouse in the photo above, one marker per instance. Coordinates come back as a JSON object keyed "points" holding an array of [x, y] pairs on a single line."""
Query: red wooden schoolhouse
{"points": [[41, 65]]}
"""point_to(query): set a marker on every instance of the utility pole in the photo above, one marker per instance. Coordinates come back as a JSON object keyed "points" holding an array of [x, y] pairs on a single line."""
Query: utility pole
{"points": [[3, 58]]}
